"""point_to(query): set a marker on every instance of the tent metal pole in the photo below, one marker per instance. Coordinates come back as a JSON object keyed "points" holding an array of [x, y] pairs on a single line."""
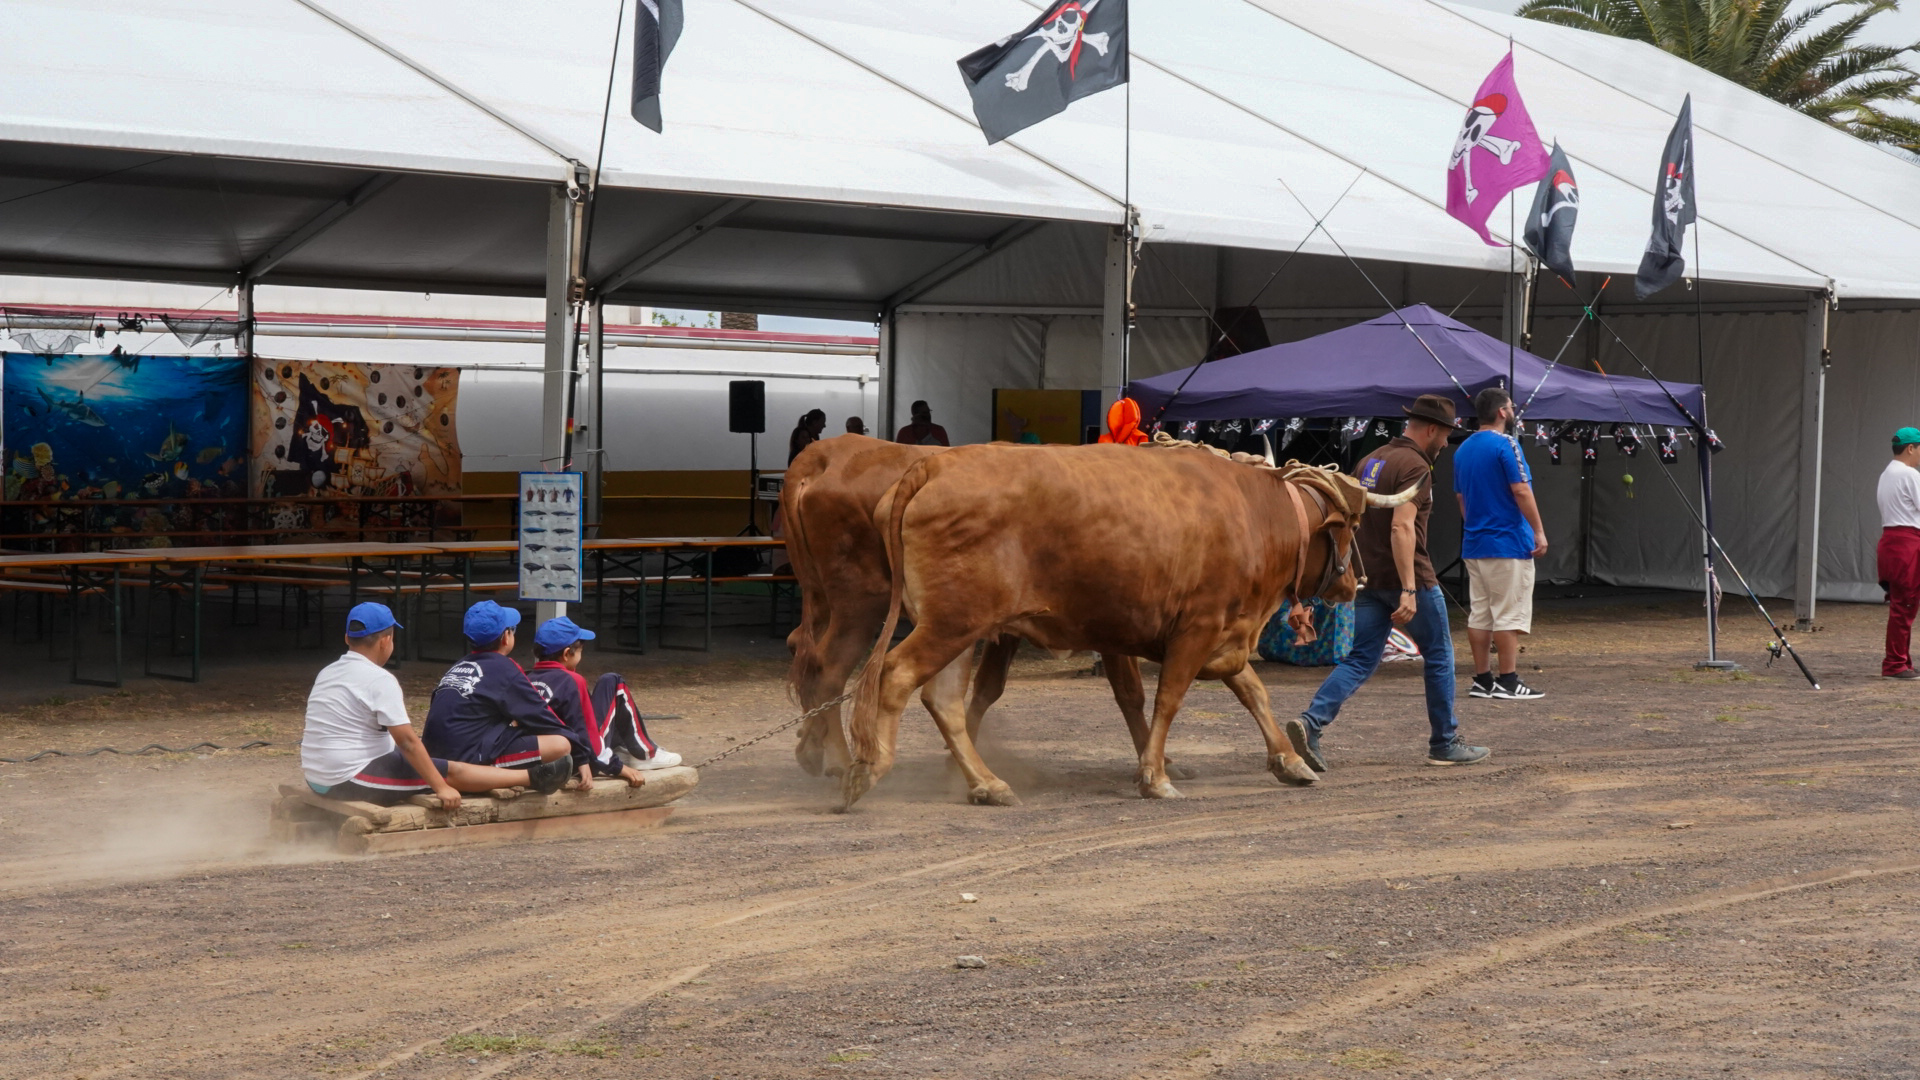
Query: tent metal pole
{"points": [[1813, 419], [243, 304], [596, 409], [1113, 317], [883, 405], [562, 251]]}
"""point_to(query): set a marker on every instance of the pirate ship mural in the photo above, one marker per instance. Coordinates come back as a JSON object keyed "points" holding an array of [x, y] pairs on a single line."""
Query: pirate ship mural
{"points": [[124, 427], [332, 429]]}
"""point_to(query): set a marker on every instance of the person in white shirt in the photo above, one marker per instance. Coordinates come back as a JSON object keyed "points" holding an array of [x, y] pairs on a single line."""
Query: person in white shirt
{"points": [[1899, 551], [360, 745]]}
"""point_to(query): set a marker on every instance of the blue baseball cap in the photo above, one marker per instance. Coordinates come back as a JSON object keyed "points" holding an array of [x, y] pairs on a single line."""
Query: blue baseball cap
{"points": [[557, 634], [486, 621], [1906, 436], [371, 618]]}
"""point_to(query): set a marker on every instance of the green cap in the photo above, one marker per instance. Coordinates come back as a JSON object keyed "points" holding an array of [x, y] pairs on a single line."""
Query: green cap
{"points": [[1906, 436]]}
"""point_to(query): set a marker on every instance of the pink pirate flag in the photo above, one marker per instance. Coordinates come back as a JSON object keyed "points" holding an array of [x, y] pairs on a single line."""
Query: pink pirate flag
{"points": [[1497, 151]]}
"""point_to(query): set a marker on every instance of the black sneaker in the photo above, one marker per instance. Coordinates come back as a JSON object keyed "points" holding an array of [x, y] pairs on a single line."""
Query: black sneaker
{"points": [[1907, 673], [1457, 753], [1306, 743], [1482, 685], [1510, 688], [550, 776]]}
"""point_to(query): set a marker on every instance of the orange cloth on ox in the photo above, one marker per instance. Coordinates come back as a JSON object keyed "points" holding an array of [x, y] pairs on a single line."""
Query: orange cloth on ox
{"points": [[1123, 423]]}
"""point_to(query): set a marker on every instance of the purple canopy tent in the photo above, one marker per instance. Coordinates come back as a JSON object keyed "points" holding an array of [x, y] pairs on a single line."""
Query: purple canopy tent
{"points": [[1376, 367]]}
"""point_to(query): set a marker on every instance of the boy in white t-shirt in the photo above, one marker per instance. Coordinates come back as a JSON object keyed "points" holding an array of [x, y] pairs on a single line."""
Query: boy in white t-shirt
{"points": [[359, 743]]}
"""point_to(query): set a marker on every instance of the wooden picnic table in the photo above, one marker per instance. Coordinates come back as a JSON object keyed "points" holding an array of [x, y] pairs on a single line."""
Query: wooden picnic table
{"points": [[692, 555], [179, 571], [85, 571]]}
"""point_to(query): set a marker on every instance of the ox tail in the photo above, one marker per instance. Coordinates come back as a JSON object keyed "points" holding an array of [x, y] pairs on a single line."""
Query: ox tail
{"points": [[866, 703], [805, 650]]}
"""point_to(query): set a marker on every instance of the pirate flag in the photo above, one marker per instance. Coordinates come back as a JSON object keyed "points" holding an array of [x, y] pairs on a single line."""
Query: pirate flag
{"points": [[1496, 151], [1673, 206], [1556, 203], [1076, 48], [656, 27]]}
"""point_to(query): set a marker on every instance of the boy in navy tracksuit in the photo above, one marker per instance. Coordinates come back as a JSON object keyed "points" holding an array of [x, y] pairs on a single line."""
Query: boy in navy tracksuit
{"points": [[486, 710], [603, 721]]}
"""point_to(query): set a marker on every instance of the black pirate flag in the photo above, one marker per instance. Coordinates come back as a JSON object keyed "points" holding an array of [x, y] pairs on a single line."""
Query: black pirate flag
{"points": [[656, 27], [1673, 207], [320, 427], [1076, 48], [1556, 203]]}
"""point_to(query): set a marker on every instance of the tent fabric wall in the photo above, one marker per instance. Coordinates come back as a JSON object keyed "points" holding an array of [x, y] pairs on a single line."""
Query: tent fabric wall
{"points": [[1873, 388], [1753, 403]]}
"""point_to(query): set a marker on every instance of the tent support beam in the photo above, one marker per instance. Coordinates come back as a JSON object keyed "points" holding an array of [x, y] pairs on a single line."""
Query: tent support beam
{"points": [[961, 263], [563, 260], [596, 409], [1813, 419], [659, 252], [317, 225], [1113, 320]]}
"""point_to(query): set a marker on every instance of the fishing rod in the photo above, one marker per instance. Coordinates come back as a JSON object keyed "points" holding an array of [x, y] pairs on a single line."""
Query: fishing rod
{"points": [[1162, 410], [1555, 362], [1780, 643], [1383, 296]]}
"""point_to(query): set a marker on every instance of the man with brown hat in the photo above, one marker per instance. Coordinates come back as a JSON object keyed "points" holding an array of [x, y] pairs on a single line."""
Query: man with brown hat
{"points": [[1400, 590]]}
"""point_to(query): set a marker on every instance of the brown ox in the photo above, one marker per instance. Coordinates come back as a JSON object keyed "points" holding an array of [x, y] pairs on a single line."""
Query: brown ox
{"points": [[828, 503], [1173, 555]]}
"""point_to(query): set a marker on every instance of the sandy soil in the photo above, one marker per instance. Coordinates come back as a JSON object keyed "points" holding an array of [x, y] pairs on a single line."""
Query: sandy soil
{"points": [[1544, 915]]}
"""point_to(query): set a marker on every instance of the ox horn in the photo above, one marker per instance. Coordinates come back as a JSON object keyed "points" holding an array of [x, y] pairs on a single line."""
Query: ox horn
{"points": [[1385, 501]]}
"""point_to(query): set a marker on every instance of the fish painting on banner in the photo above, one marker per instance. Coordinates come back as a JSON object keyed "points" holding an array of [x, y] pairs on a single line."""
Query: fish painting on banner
{"points": [[323, 428], [115, 426]]}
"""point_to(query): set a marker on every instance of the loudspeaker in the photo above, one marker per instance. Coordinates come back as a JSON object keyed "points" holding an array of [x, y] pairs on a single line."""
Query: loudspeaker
{"points": [[747, 406]]}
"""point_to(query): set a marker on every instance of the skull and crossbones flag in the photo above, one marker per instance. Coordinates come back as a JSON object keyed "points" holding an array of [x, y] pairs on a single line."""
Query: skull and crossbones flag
{"points": [[1076, 48], [1663, 262], [1495, 152], [656, 28], [1556, 203]]}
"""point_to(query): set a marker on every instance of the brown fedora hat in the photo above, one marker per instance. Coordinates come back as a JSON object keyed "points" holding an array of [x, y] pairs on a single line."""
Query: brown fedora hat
{"points": [[1432, 408]]}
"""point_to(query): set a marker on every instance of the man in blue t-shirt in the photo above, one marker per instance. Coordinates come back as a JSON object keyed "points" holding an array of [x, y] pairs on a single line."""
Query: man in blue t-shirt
{"points": [[1502, 537]]}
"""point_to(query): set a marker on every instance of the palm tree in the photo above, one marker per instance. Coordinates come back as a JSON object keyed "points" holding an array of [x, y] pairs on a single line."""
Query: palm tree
{"points": [[1803, 59]]}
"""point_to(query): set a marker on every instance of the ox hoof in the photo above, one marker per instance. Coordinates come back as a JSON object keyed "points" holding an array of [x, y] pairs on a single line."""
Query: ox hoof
{"points": [[1161, 790], [1180, 772], [1296, 771], [993, 795], [812, 757], [857, 782]]}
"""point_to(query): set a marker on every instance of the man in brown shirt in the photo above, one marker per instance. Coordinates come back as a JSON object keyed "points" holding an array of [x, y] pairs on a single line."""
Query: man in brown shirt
{"points": [[1400, 590]]}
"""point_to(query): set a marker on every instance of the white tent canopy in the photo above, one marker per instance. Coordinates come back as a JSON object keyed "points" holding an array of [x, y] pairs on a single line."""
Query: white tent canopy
{"points": [[820, 158], [856, 104]]}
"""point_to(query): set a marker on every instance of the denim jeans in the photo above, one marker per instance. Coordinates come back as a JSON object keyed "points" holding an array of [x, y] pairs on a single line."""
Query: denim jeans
{"points": [[1372, 621]]}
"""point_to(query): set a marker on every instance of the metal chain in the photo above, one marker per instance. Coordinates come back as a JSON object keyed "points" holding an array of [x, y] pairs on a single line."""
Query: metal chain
{"points": [[801, 719], [852, 680], [147, 749]]}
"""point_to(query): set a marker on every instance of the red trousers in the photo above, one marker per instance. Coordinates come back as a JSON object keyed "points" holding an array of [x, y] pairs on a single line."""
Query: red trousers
{"points": [[1899, 558]]}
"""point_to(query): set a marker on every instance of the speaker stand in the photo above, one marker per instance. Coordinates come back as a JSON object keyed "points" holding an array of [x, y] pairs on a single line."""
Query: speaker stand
{"points": [[753, 487]]}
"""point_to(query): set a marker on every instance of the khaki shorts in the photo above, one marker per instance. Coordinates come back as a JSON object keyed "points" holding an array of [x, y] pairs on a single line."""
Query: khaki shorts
{"points": [[1501, 591]]}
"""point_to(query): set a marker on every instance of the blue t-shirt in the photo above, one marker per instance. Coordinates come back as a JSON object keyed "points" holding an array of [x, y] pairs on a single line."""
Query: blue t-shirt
{"points": [[1485, 468]]}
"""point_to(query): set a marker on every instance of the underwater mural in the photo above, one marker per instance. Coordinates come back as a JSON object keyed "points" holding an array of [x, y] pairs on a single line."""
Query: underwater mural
{"points": [[121, 426]]}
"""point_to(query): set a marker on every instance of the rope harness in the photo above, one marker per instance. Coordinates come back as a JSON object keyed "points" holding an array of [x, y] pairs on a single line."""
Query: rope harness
{"points": [[1325, 484]]}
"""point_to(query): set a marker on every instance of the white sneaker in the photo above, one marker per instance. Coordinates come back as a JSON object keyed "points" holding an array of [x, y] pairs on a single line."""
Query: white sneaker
{"points": [[661, 759]]}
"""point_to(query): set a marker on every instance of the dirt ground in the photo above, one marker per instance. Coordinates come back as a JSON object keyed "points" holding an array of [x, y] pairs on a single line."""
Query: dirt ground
{"points": [[1660, 873]]}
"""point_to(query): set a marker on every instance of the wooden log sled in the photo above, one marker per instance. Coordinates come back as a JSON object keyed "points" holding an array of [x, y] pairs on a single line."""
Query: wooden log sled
{"points": [[608, 808]]}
